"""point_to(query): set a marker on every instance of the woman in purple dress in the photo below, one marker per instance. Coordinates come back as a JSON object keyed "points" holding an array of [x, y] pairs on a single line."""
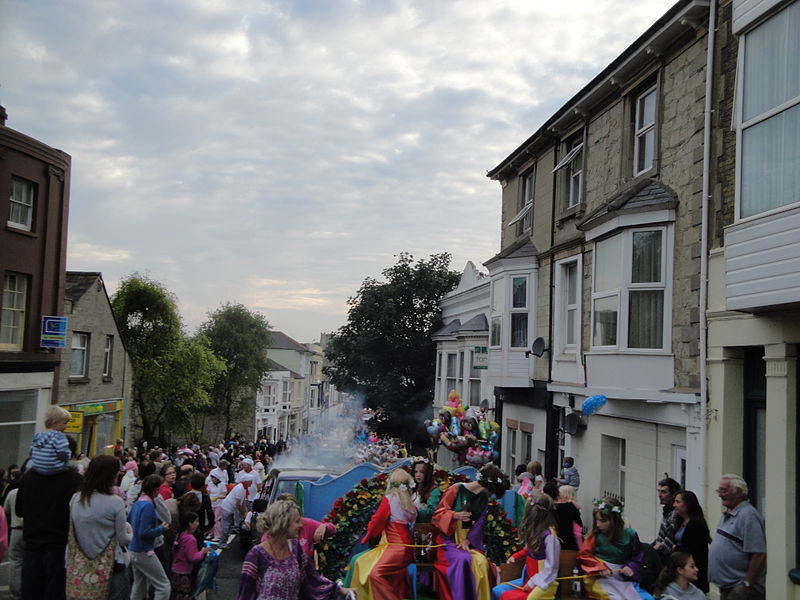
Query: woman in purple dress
{"points": [[277, 568]]}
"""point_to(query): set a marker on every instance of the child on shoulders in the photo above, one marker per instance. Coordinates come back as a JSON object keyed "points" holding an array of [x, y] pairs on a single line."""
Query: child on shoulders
{"points": [[50, 448]]}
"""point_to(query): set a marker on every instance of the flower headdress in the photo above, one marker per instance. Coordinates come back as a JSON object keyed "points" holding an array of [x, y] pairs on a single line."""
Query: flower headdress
{"points": [[421, 459], [402, 485], [605, 507], [498, 484]]}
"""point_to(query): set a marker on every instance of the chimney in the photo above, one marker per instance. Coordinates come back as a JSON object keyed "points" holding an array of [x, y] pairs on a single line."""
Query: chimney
{"points": [[3, 116]]}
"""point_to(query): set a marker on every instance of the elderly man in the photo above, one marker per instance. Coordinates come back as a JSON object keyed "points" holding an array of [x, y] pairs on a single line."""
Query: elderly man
{"points": [[738, 553], [665, 542]]}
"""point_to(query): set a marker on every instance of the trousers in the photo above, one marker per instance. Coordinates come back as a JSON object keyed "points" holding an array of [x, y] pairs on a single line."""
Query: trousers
{"points": [[147, 569]]}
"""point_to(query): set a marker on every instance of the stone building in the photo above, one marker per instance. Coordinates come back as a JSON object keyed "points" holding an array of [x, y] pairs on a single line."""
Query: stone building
{"points": [[96, 375], [34, 201], [612, 184]]}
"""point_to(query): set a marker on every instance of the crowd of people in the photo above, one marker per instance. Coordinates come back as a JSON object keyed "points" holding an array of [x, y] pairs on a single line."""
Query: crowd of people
{"points": [[137, 523]]}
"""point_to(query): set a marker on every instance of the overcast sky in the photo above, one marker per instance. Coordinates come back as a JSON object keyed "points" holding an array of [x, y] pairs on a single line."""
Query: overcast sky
{"points": [[276, 153]]}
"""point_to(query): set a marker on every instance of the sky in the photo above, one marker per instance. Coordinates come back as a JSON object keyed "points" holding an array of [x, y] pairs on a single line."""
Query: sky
{"points": [[275, 153]]}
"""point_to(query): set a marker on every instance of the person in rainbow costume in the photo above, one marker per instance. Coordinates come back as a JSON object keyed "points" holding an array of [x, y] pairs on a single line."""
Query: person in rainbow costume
{"points": [[381, 573], [462, 571], [541, 553], [612, 555]]}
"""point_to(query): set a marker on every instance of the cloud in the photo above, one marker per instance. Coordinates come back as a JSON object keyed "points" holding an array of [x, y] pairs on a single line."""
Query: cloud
{"points": [[278, 152]]}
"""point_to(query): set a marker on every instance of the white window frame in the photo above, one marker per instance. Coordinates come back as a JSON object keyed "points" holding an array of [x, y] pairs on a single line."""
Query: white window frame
{"points": [[26, 189], [497, 306], [108, 356], [15, 285], [641, 132], [574, 173], [622, 293], [474, 380], [563, 308], [518, 310], [527, 192], [80, 343], [742, 125], [452, 374]]}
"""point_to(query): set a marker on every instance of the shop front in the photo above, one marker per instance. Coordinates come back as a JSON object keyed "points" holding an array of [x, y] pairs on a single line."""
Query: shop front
{"points": [[97, 425]]}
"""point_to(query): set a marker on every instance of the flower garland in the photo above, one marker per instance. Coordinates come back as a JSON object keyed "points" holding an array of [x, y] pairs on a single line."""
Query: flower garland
{"points": [[352, 512]]}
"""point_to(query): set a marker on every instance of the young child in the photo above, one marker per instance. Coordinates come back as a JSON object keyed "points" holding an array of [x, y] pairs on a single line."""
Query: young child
{"points": [[381, 573], [676, 580], [541, 553], [185, 556], [611, 553], [50, 448]]}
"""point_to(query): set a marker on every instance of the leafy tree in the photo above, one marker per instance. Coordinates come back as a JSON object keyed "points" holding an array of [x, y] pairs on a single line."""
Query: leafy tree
{"points": [[385, 351], [171, 375], [241, 338]]}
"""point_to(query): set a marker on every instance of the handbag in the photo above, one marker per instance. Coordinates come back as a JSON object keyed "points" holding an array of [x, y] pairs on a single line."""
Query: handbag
{"points": [[88, 578]]}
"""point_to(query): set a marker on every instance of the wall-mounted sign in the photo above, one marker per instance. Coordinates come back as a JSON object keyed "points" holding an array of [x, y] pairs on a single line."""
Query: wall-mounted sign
{"points": [[98, 407], [54, 332], [75, 423], [481, 357]]}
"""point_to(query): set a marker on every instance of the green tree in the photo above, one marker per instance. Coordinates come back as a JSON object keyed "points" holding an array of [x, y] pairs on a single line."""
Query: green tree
{"points": [[171, 375], [385, 351], [241, 338]]}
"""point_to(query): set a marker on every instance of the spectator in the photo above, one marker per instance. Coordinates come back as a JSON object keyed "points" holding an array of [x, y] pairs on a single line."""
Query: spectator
{"points": [[567, 518], [168, 475], [16, 545], [43, 504], [570, 475], [738, 552], [50, 448], [233, 510], [691, 534], [184, 483], [147, 527], [678, 577], [98, 516], [664, 543]]}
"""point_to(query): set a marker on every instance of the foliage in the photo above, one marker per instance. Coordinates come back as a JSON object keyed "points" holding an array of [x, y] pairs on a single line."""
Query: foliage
{"points": [[352, 512], [385, 351], [171, 375], [241, 338]]}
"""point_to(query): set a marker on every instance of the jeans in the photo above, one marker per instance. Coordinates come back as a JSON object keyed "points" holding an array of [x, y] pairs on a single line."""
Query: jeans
{"points": [[227, 519], [147, 569], [44, 574]]}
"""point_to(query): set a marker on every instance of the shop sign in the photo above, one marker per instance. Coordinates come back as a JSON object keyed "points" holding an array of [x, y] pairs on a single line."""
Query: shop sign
{"points": [[54, 332], [481, 357], [75, 423], [99, 407]]}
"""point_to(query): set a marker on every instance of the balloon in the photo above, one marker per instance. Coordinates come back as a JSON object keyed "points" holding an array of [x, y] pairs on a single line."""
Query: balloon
{"points": [[434, 429], [456, 427], [483, 429], [592, 404], [494, 425]]}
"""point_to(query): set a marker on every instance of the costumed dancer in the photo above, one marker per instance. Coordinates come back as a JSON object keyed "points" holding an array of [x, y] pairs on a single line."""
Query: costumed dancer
{"points": [[612, 554], [381, 573], [541, 554], [426, 494], [462, 571]]}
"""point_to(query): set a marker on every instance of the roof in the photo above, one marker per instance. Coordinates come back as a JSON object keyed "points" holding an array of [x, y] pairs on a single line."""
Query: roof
{"points": [[274, 366], [520, 249], [476, 323], [281, 341], [449, 329], [77, 283], [645, 195]]}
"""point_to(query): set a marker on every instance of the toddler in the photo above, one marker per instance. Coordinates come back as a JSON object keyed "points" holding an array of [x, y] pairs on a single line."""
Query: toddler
{"points": [[50, 449]]}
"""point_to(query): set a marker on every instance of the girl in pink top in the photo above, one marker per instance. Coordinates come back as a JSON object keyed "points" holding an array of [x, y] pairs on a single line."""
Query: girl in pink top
{"points": [[185, 556]]}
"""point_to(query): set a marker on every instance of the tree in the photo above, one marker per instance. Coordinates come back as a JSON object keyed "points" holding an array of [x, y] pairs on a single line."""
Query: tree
{"points": [[171, 375], [385, 351], [241, 338]]}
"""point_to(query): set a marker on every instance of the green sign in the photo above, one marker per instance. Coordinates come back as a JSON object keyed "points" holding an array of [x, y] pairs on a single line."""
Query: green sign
{"points": [[480, 357]]}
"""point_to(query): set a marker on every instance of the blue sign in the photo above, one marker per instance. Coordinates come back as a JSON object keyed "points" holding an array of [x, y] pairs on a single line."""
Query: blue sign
{"points": [[54, 332]]}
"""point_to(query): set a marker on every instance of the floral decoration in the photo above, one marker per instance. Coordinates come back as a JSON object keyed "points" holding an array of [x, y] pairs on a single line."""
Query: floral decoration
{"points": [[352, 512]]}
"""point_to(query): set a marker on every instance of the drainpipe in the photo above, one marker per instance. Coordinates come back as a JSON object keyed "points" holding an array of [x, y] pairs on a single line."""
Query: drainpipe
{"points": [[712, 28]]}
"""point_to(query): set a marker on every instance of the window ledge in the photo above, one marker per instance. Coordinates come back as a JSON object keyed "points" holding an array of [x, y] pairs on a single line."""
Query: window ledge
{"points": [[107, 379], [629, 352], [566, 357], [21, 231], [73, 380], [572, 211]]}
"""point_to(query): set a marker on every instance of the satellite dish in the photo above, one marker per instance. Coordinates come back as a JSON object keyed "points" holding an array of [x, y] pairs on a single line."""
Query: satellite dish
{"points": [[537, 349], [573, 424]]}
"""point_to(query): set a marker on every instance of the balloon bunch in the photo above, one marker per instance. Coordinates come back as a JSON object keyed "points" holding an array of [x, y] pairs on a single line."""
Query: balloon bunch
{"points": [[466, 432]]}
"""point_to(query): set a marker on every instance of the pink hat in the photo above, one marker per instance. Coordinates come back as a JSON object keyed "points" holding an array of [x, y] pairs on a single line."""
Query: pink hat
{"points": [[130, 465]]}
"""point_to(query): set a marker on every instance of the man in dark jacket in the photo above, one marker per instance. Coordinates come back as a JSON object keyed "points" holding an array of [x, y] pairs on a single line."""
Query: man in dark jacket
{"points": [[43, 503]]}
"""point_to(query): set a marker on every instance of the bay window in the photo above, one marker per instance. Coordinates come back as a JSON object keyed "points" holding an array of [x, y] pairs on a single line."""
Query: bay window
{"points": [[629, 293], [768, 124], [519, 312]]}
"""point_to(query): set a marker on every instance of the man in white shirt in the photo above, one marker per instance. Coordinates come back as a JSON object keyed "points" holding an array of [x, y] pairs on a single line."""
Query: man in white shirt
{"points": [[249, 474], [233, 509]]}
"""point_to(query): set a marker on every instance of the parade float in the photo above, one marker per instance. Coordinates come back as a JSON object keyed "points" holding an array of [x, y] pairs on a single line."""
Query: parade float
{"points": [[352, 512]]}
